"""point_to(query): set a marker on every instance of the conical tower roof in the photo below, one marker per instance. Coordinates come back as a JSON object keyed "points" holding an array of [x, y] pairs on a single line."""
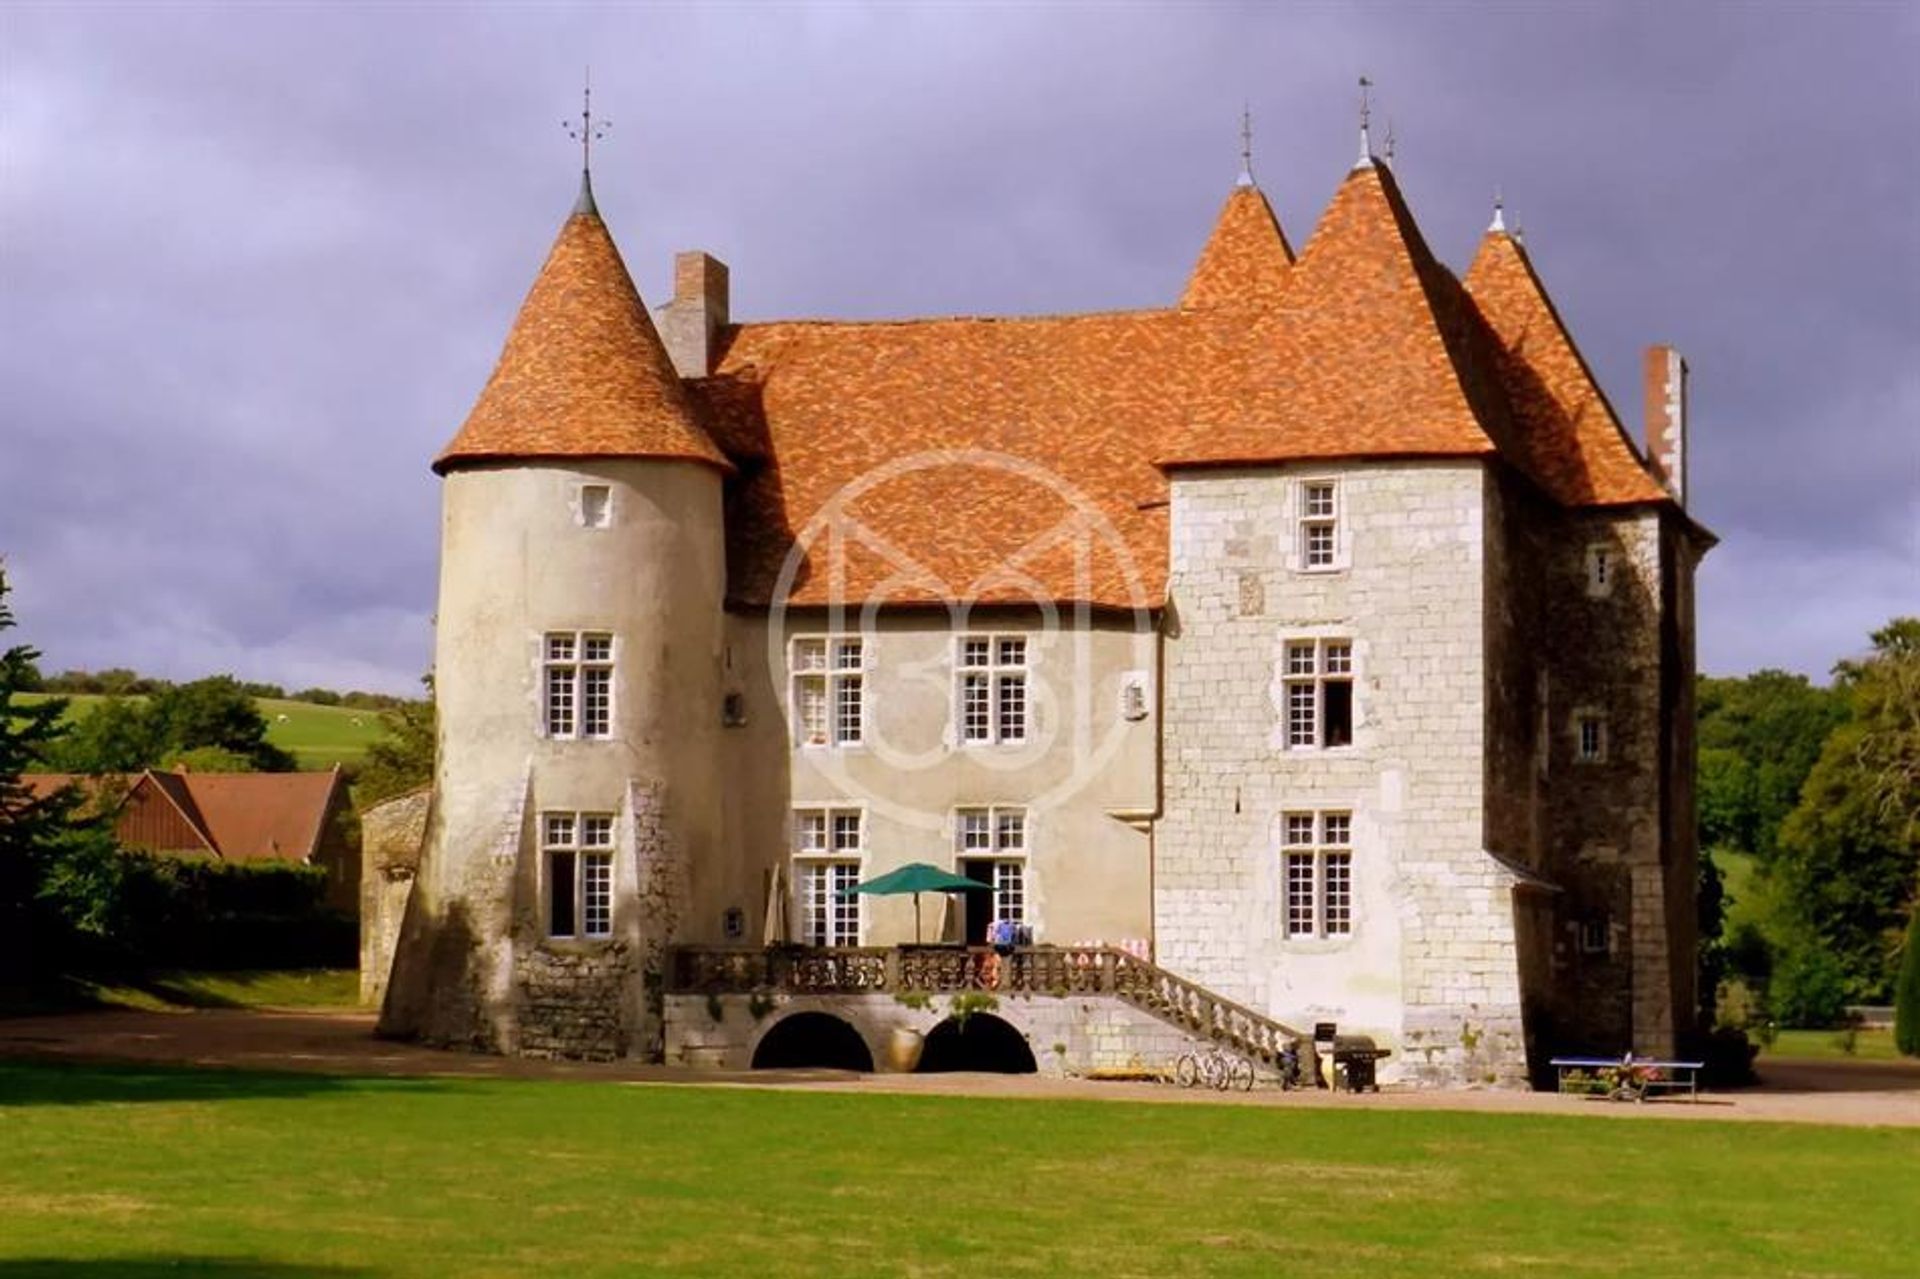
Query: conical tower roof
{"points": [[584, 373], [1568, 436], [1246, 259]]}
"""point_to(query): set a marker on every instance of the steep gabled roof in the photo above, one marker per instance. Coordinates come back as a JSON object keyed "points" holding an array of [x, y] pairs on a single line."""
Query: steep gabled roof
{"points": [[1364, 355], [1567, 434], [1246, 259], [583, 373], [263, 815]]}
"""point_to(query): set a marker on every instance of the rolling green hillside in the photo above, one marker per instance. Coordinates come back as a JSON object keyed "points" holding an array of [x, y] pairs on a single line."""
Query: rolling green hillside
{"points": [[317, 736]]}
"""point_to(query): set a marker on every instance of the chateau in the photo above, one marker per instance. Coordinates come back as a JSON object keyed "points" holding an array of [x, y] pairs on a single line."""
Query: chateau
{"points": [[1319, 645]]}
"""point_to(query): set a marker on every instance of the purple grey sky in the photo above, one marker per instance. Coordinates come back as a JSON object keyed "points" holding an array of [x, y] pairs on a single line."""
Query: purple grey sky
{"points": [[256, 262]]}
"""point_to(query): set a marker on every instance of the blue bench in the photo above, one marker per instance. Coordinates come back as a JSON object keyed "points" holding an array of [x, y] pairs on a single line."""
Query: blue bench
{"points": [[1636, 1077]]}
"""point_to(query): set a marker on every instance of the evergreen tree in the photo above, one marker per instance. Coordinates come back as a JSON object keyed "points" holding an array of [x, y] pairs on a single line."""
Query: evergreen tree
{"points": [[1906, 1009]]}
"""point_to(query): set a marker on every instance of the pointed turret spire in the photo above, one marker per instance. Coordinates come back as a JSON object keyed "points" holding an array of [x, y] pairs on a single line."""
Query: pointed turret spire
{"points": [[587, 132], [1246, 147], [1366, 110], [1246, 259]]}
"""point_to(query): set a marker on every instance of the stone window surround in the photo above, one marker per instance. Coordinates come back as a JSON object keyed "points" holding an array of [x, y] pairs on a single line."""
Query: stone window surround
{"points": [[1300, 519], [1320, 939], [835, 674], [1601, 565], [577, 843], [999, 675], [580, 666], [1010, 861]]}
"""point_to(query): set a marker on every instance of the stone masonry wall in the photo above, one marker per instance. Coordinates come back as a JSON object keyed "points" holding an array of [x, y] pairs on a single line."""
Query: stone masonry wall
{"points": [[1431, 966], [391, 836]]}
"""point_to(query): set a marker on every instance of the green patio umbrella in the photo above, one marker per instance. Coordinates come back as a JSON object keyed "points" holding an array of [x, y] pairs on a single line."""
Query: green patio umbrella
{"points": [[916, 878]]}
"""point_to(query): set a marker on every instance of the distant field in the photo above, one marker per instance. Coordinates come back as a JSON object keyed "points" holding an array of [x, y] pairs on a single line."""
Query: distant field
{"points": [[1831, 1045], [317, 736]]}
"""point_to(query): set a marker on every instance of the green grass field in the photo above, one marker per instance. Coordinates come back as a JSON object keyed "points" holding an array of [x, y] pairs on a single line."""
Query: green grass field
{"points": [[1830, 1045], [109, 1170], [317, 736]]}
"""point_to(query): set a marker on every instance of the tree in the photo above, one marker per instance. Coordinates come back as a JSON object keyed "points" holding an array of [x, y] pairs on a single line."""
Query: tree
{"points": [[48, 845], [116, 736], [217, 712], [1759, 738], [1906, 1001], [1849, 855], [403, 760]]}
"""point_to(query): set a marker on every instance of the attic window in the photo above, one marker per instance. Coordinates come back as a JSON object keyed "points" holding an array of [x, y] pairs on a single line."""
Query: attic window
{"points": [[596, 505]]}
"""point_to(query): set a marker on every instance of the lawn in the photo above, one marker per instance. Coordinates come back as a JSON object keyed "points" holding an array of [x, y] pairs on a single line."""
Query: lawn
{"points": [[109, 1170], [1831, 1045]]}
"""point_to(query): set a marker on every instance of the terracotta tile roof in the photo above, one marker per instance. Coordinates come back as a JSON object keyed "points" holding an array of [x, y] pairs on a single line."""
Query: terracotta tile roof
{"points": [[1570, 439], [1245, 260], [583, 373], [974, 459], [1364, 354], [252, 816]]}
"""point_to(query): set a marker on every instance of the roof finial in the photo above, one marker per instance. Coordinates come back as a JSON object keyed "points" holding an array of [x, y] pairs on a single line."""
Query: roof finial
{"points": [[1499, 224], [1366, 111], [587, 132], [1246, 146], [1388, 157]]}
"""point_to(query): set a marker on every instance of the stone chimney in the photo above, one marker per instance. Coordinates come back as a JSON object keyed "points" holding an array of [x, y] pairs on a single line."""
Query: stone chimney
{"points": [[691, 323], [1666, 389]]}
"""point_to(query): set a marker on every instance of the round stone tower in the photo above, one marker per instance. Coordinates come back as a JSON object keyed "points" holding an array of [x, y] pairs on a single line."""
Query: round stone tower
{"points": [[577, 680]]}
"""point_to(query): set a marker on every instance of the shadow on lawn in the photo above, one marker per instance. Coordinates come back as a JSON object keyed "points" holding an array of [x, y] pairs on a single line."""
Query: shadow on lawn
{"points": [[49, 1083], [149, 1264]]}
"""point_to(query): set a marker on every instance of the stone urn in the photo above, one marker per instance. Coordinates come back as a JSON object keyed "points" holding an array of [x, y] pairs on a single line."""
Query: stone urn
{"points": [[904, 1047]]}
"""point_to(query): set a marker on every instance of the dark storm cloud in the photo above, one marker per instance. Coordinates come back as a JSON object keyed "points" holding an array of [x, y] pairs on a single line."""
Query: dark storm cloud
{"points": [[257, 262]]}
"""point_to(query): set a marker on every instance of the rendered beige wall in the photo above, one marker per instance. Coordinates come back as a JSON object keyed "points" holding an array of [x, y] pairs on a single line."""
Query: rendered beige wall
{"points": [[1087, 868], [517, 563]]}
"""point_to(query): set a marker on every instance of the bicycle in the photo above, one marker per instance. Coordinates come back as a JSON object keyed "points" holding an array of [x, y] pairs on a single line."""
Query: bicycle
{"points": [[1216, 1068]]}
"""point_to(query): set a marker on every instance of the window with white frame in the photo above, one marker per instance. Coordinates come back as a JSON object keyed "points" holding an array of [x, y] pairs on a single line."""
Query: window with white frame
{"points": [[1319, 520], [577, 684], [991, 689], [1319, 681], [1589, 737], [1318, 858], [829, 690], [578, 851], [828, 844], [997, 837]]}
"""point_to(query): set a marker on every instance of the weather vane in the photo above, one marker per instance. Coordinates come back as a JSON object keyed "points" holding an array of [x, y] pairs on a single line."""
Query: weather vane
{"points": [[1366, 102], [1246, 145], [1388, 144], [588, 131]]}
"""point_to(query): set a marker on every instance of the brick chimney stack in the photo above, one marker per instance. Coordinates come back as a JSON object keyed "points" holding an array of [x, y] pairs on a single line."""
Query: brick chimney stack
{"points": [[1666, 390], [691, 323]]}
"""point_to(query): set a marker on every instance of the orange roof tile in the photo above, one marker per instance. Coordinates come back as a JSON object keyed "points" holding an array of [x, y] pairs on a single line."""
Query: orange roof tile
{"points": [[1569, 438], [583, 373], [1245, 260]]}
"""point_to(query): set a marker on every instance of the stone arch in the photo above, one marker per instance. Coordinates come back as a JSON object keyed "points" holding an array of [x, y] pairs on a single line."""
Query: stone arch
{"points": [[812, 1039], [982, 1042]]}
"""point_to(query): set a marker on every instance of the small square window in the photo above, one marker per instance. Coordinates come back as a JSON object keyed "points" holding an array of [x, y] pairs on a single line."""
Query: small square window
{"points": [[1589, 737], [596, 505], [1601, 570]]}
